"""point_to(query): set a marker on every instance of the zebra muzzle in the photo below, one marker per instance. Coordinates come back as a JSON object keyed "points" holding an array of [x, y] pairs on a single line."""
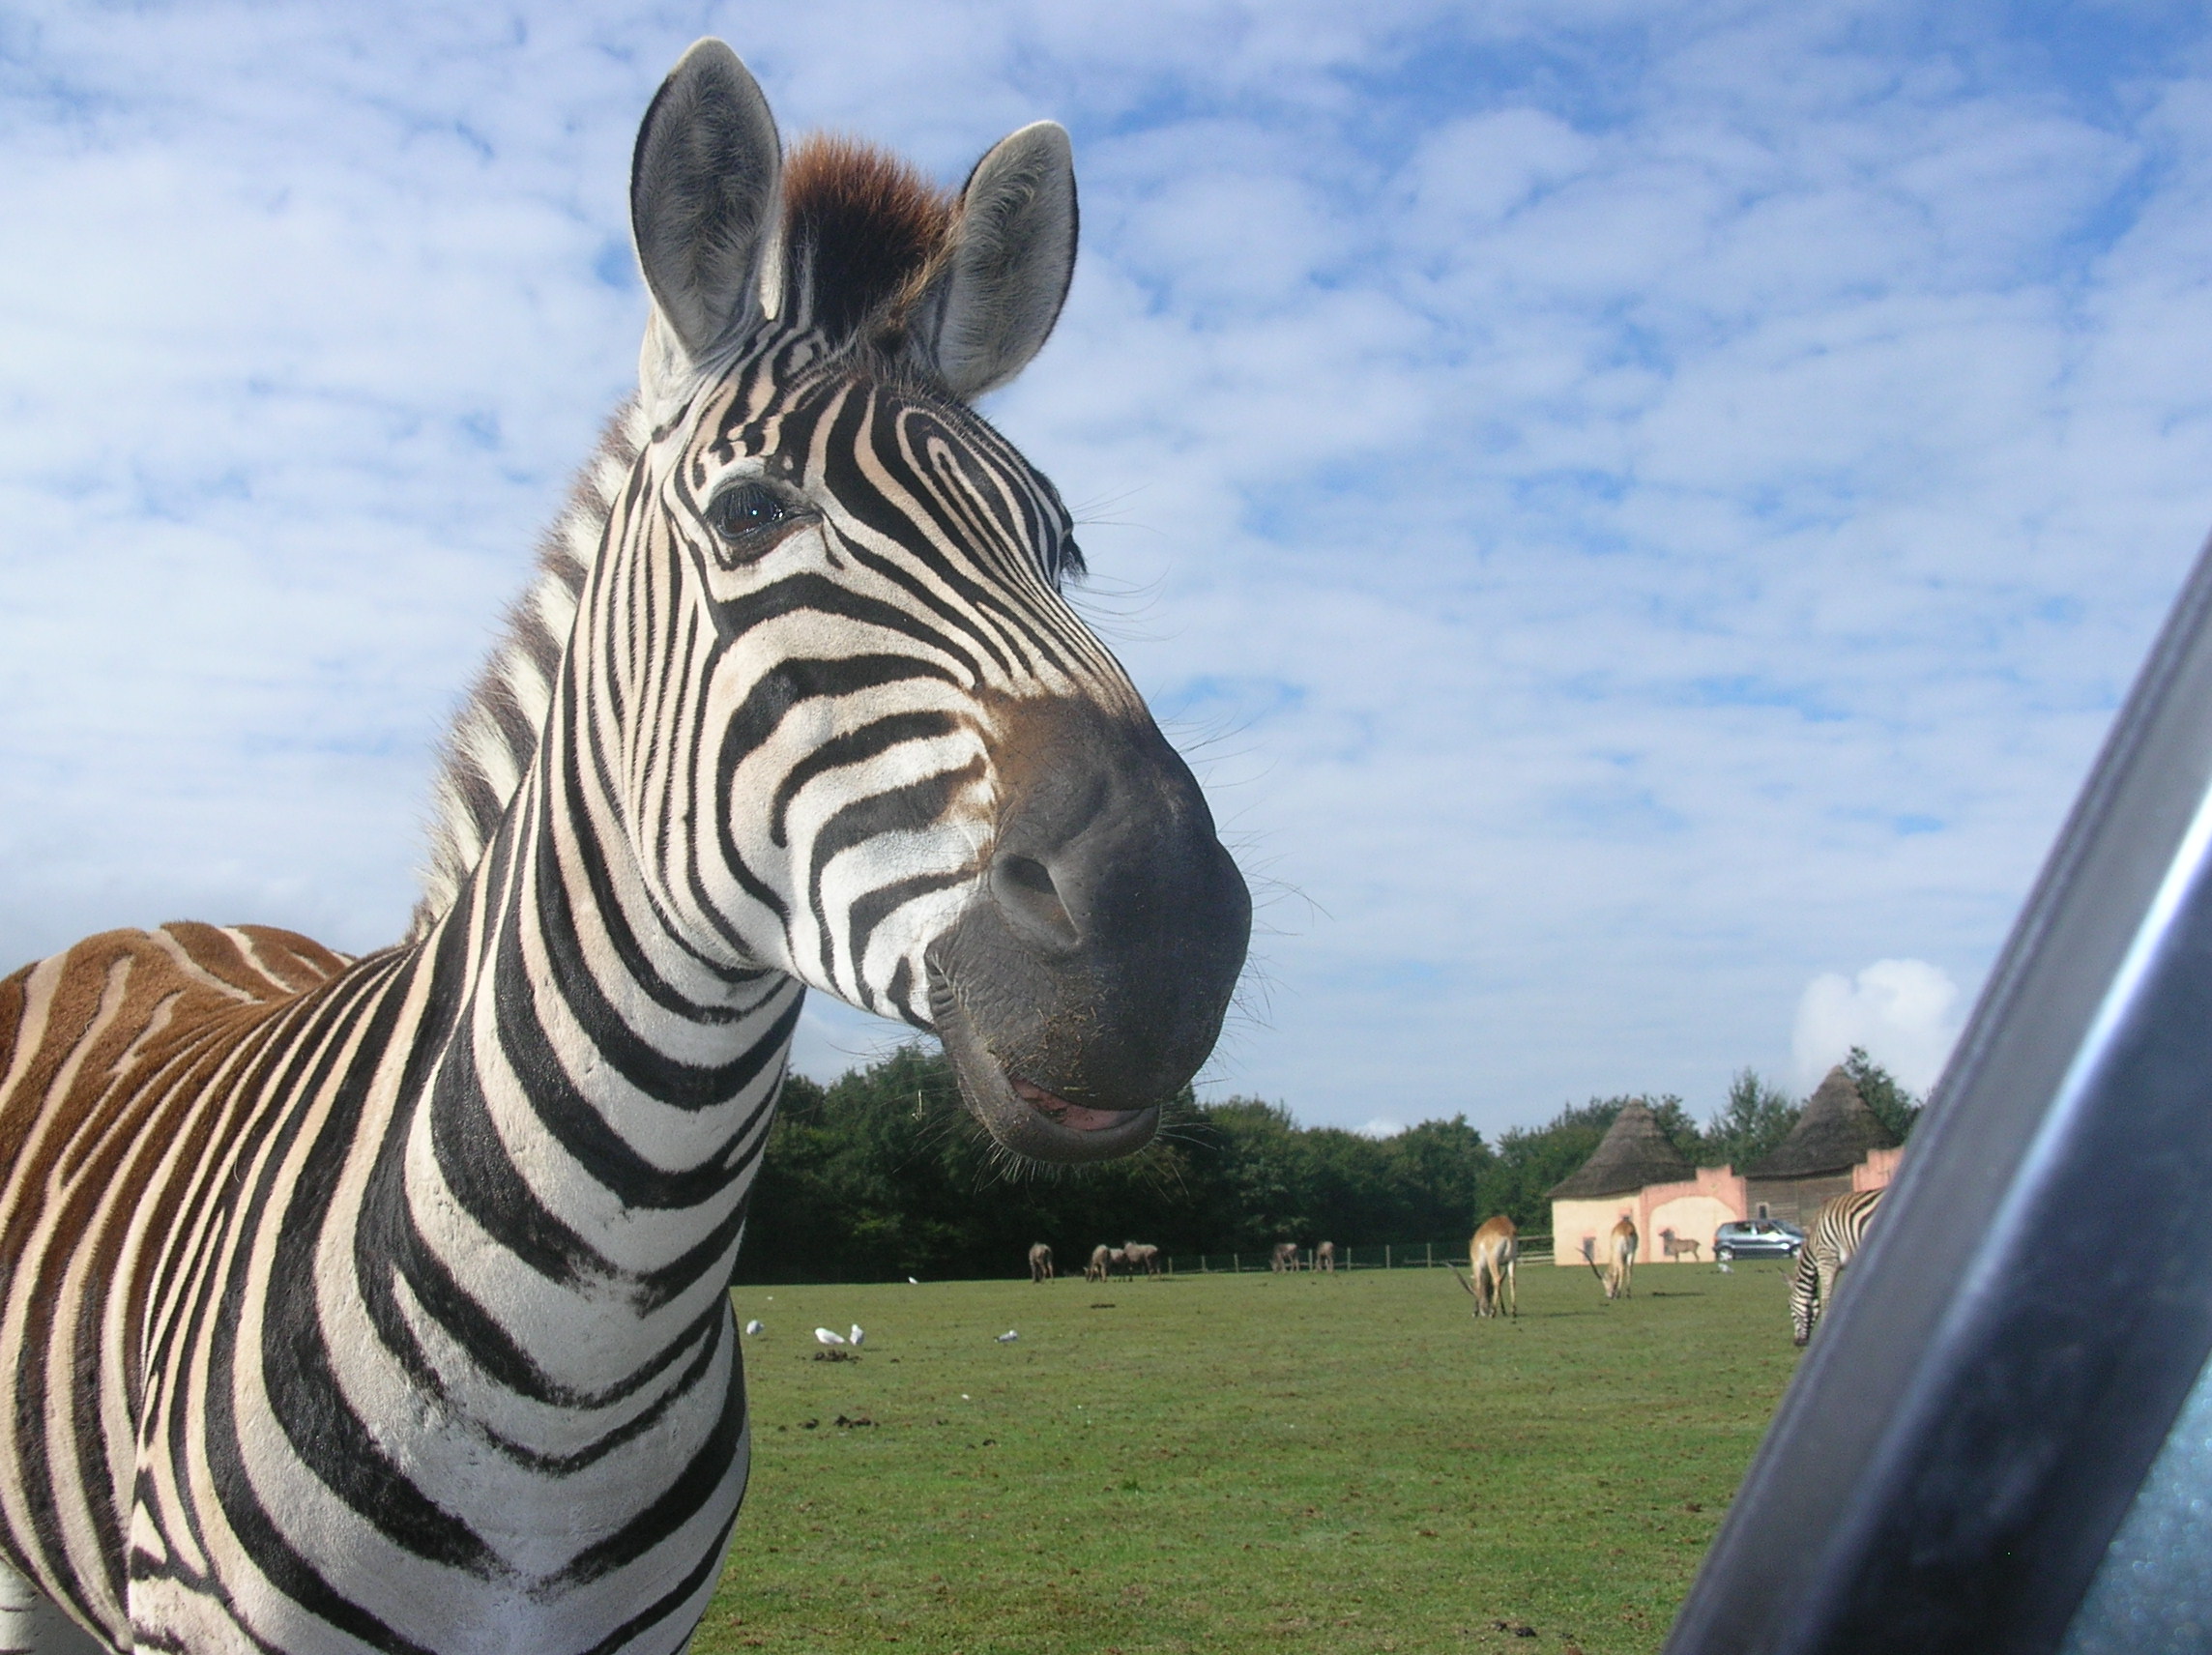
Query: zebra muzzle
{"points": [[1019, 1114]]}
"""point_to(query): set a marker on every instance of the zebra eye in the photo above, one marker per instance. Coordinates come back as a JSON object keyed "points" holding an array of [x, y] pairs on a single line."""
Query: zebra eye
{"points": [[746, 517]]}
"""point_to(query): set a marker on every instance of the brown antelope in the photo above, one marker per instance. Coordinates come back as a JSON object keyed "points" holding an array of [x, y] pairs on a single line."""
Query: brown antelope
{"points": [[1675, 1246], [1041, 1262], [1285, 1257], [1491, 1257], [1101, 1257], [1325, 1256], [1621, 1259]]}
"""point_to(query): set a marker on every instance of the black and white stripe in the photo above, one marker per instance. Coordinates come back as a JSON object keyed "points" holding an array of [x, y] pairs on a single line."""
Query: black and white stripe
{"points": [[380, 1304], [1838, 1229]]}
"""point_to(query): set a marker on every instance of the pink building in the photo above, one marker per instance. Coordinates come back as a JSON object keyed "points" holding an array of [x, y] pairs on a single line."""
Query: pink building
{"points": [[1635, 1174]]}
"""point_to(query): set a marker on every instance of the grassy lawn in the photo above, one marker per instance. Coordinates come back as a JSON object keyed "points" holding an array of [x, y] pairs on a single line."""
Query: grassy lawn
{"points": [[1244, 1463]]}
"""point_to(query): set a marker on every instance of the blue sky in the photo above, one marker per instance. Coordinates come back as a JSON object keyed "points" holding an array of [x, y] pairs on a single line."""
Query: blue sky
{"points": [[1641, 514]]}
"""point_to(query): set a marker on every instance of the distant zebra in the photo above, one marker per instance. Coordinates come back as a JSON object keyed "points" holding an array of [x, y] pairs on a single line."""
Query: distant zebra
{"points": [[1041, 1262], [1838, 1230], [381, 1305]]}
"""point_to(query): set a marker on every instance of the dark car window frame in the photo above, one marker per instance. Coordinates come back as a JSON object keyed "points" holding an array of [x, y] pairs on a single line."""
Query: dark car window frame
{"points": [[2010, 1351]]}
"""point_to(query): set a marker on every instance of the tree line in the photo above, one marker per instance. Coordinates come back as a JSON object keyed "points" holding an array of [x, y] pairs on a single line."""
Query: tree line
{"points": [[881, 1175]]}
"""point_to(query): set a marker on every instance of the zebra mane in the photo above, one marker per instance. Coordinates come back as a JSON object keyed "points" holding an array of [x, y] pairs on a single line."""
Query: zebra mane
{"points": [[864, 232], [482, 758]]}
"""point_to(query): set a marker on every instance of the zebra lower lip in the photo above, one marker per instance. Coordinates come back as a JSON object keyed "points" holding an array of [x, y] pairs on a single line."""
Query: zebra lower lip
{"points": [[1021, 1115], [1072, 1115]]}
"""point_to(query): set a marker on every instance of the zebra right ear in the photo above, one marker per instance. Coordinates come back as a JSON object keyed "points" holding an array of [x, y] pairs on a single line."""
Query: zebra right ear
{"points": [[702, 200]]}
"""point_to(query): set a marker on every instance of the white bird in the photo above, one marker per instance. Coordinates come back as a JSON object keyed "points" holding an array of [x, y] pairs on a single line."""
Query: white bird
{"points": [[756, 1325], [856, 1336], [828, 1336], [1726, 1270], [915, 1280], [1008, 1337]]}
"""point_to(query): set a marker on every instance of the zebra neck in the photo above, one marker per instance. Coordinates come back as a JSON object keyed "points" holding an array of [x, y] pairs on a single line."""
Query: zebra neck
{"points": [[599, 1105]]}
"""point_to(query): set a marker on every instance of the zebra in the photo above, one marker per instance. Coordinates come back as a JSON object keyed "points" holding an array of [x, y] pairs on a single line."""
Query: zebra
{"points": [[380, 1302], [1838, 1229]]}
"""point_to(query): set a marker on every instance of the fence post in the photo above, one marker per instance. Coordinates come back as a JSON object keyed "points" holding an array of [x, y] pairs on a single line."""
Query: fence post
{"points": [[1234, 1265], [1386, 1255], [1429, 1253]]}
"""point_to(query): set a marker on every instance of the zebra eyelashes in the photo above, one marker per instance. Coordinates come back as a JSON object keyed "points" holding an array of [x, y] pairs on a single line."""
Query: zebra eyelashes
{"points": [[749, 520]]}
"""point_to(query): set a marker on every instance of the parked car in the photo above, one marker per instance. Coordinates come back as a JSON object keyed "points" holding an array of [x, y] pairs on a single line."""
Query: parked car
{"points": [[1757, 1238]]}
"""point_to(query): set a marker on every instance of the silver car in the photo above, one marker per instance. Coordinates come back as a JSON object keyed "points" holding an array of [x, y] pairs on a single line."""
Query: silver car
{"points": [[1757, 1238]]}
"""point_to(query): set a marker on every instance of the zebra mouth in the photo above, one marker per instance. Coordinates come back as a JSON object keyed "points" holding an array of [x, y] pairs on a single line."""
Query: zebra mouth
{"points": [[1021, 1115]]}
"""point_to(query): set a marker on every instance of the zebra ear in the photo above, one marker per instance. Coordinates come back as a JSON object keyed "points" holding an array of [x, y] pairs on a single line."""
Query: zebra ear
{"points": [[1013, 256], [703, 199]]}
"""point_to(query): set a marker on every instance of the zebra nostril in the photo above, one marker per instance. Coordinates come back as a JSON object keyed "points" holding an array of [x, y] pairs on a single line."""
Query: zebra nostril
{"points": [[1023, 886]]}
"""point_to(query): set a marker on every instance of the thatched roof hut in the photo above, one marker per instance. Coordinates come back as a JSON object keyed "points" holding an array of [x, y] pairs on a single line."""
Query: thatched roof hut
{"points": [[1633, 1153], [1833, 1135]]}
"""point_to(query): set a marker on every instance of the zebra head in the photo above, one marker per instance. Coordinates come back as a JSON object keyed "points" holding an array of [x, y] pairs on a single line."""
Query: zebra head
{"points": [[863, 737]]}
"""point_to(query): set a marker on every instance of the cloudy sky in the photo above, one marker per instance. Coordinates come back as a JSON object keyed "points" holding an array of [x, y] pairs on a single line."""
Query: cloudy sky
{"points": [[1641, 514]]}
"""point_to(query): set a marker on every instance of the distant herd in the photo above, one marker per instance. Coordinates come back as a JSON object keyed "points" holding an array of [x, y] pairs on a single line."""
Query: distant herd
{"points": [[1495, 1251]]}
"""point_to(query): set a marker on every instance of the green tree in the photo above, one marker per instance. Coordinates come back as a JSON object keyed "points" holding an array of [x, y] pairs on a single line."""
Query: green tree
{"points": [[1752, 1124], [1898, 1108]]}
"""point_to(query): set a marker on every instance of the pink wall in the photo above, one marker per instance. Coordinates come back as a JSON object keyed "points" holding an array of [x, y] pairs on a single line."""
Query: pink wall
{"points": [[1877, 1170]]}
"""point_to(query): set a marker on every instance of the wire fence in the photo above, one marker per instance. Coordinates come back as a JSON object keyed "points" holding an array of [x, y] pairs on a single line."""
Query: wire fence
{"points": [[1386, 1256]]}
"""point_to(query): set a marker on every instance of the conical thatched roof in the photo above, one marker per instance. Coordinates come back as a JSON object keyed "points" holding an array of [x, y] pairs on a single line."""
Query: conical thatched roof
{"points": [[1634, 1152], [1833, 1135]]}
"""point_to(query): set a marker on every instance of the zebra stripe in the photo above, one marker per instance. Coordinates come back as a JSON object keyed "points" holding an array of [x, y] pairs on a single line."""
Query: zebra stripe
{"points": [[1837, 1231], [379, 1304]]}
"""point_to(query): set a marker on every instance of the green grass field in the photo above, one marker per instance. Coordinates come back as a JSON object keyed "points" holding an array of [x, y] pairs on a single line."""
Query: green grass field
{"points": [[1244, 1463]]}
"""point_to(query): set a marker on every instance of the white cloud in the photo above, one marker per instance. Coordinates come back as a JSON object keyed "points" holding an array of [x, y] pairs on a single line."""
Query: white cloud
{"points": [[1903, 1011], [1649, 506], [1382, 1126]]}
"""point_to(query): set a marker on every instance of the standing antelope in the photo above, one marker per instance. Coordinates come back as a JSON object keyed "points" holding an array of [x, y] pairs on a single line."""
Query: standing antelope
{"points": [[1325, 1256], [1675, 1246], [1101, 1257], [1284, 1257], [1041, 1262], [1145, 1254], [381, 1304], [1621, 1259], [1838, 1230], [1492, 1256]]}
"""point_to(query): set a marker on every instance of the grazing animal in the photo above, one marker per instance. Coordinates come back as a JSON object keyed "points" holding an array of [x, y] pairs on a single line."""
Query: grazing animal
{"points": [[1041, 1262], [380, 1304], [1284, 1257], [1492, 1254], [1142, 1254], [1621, 1259], [1118, 1262], [1101, 1257], [1838, 1230], [1325, 1256], [1675, 1246]]}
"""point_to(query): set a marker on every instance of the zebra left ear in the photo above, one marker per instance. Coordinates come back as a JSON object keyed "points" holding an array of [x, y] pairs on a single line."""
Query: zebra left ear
{"points": [[1012, 258]]}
